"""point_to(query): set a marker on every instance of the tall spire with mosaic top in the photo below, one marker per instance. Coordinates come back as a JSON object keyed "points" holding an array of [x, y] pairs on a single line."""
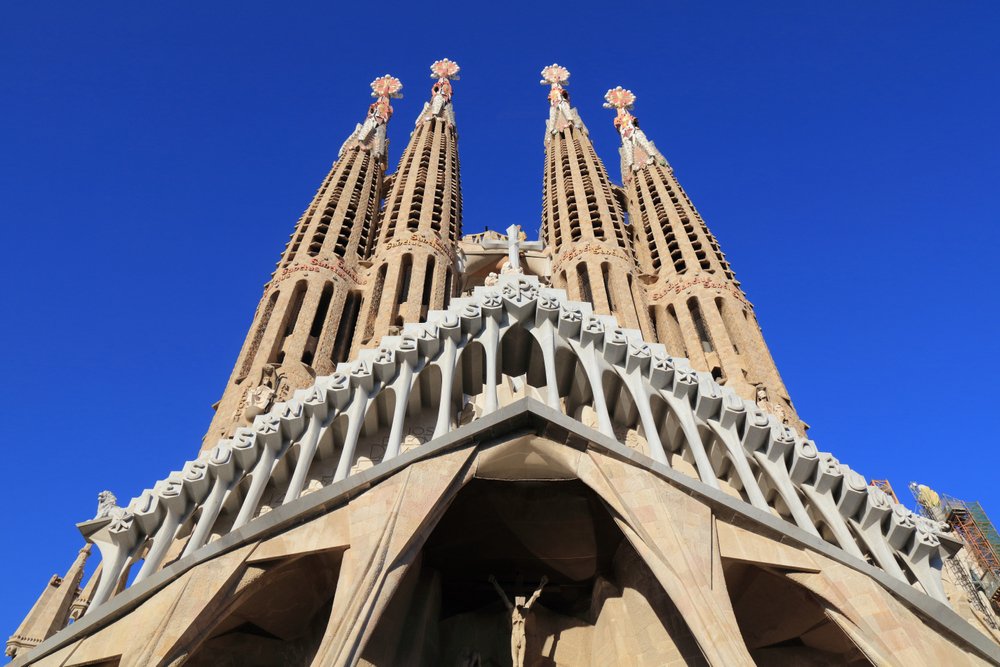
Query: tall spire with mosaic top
{"points": [[695, 303], [302, 325], [582, 220], [415, 260]]}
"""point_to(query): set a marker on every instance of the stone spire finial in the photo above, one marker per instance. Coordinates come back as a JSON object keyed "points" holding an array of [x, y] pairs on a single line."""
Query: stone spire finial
{"points": [[637, 150], [384, 88], [561, 114], [444, 71], [371, 133]]}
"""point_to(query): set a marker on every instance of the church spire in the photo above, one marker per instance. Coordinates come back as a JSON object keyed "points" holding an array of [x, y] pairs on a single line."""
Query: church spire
{"points": [[637, 151], [582, 219], [370, 134], [696, 305], [52, 609], [305, 319], [415, 260]]}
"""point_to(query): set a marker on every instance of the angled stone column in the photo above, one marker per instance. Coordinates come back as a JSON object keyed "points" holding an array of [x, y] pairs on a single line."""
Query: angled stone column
{"points": [[388, 525], [674, 535]]}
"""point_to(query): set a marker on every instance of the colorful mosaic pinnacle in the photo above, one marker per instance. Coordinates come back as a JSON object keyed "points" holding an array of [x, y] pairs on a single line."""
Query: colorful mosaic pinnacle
{"points": [[387, 86], [445, 69], [555, 75], [384, 88], [621, 99]]}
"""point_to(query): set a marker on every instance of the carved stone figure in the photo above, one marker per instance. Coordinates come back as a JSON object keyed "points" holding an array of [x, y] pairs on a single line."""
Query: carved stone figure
{"points": [[260, 398], [518, 616], [514, 239], [106, 501]]}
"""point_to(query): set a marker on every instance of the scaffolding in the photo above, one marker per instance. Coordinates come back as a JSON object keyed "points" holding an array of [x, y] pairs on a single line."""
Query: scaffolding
{"points": [[981, 541], [886, 487]]}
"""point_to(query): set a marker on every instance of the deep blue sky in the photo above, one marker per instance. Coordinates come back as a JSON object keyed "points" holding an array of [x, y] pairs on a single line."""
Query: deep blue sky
{"points": [[156, 155]]}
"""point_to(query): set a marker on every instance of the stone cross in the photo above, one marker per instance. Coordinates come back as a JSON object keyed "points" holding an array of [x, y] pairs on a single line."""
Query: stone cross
{"points": [[514, 247]]}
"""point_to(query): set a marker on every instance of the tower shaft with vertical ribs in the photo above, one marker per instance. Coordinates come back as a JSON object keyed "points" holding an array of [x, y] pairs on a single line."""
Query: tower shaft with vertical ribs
{"points": [[413, 270], [582, 221], [303, 324], [695, 303]]}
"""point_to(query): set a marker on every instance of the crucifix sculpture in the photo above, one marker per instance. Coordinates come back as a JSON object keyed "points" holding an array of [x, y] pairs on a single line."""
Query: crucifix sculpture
{"points": [[518, 615]]}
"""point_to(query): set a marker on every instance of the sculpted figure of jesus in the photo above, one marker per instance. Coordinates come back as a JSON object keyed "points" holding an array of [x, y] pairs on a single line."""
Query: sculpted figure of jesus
{"points": [[518, 615]]}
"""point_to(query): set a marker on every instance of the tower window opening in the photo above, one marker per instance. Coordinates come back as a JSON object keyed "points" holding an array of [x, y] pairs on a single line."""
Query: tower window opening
{"points": [[652, 324], [403, 288], [606, 275], [428, 291], [699, 325], [345, 332], [732, 327], [295, 305], [375, 304], [584, 279], [447, 287], [258, 336], [316, 328], [673, 333]]}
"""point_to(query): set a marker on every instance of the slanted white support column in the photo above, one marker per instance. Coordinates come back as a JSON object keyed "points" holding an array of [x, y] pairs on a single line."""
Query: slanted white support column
{"points": [[924, 558], [116, 540], [406, 358], [769, 451], [402, 388], [452, 332], [546, 314], [268, 430], [820, 494], [224, 472], [592, 342], [363, 383], [869, 526], [637, 360], [731, 414], [679, 401], [491, 343], [174, 502], [316, 410]]}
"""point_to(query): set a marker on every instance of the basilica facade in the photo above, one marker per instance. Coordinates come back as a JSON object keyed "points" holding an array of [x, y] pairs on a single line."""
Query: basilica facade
{"points": [[448, 449]]}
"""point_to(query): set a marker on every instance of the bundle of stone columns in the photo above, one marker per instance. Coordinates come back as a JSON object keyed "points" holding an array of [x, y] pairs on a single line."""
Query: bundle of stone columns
{"points": [[222, 489]]}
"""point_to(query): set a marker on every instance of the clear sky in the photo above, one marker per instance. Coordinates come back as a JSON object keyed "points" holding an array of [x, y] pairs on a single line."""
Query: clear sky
{"points": [[154, 157]]}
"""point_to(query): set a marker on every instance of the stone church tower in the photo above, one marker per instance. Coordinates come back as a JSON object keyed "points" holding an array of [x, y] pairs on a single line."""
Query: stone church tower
{"points": [[415, 256], [305, 320], [485, 450], [696, 306], [582, 221]]}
